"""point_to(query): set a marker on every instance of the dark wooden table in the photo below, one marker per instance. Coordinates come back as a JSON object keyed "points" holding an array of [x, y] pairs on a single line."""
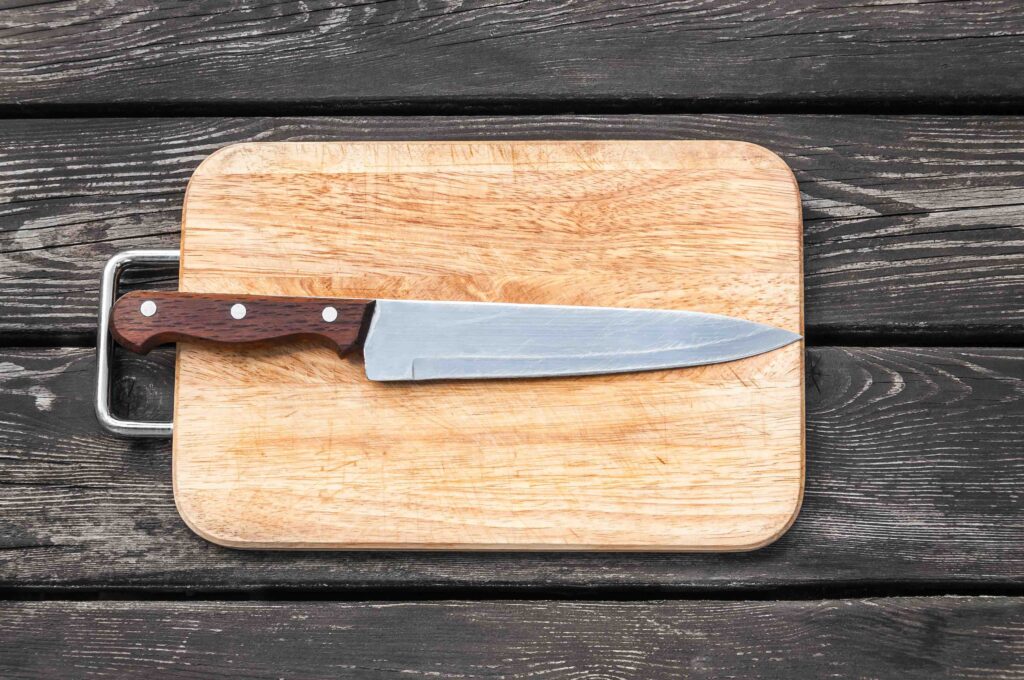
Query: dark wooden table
{"points": [[905, 126]]}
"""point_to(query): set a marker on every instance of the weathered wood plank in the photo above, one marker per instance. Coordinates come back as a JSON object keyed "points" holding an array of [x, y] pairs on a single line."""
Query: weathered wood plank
{"points": [[914, 476], [913, 225], [448, 55], [905, 637]]}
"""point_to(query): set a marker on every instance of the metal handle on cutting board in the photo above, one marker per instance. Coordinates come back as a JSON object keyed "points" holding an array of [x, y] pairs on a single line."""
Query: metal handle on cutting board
{"points": [[108, 293]]}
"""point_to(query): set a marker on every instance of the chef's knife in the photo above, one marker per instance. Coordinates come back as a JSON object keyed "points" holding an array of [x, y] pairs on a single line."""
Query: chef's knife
{"points": [[429, 340]]}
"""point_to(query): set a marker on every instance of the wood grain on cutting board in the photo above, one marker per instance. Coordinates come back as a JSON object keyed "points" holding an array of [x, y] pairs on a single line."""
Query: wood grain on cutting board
{"points": [[292, 447]]}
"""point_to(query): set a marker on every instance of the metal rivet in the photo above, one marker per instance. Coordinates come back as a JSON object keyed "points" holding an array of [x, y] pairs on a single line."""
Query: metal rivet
{"points": [[238, 311], [148, 308], [330, 314]]}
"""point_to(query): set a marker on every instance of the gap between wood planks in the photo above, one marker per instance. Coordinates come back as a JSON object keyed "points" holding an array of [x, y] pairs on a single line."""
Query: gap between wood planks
{"points": [[531, 106], [601, 593]]}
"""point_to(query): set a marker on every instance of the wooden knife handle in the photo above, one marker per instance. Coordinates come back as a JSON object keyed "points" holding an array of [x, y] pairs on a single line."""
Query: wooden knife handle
{"points": [[144, 319]]}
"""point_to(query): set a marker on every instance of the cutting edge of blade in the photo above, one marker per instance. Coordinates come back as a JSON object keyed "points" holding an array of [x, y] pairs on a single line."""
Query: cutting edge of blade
{"points": [[497, 368]]}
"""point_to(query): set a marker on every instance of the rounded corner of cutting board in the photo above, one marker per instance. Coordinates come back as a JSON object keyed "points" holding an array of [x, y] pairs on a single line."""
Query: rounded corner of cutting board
{"points": [[773, 531], [762, 156], [197, 522], [222, 159]]}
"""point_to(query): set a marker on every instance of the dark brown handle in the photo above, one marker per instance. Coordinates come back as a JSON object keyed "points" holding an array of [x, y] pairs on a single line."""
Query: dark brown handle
{"points": [[144, 319]]}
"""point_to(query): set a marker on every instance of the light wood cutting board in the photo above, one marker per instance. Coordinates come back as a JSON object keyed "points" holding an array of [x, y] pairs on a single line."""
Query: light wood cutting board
{"points": [[293, 447]]}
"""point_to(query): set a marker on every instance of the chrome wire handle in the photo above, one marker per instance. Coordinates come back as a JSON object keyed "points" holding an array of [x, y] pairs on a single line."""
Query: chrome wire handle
{"points": [[108, 293]]}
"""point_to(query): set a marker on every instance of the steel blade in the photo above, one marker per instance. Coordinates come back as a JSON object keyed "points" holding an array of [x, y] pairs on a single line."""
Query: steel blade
{"points": [[424, 340]]}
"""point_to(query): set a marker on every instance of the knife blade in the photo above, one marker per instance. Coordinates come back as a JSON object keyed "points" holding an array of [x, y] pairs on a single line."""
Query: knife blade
{"points": [[432, 340], [422, 340]]}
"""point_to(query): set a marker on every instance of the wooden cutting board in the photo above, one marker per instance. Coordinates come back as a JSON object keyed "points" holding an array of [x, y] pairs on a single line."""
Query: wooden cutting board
{"points": [[293, 447]]}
